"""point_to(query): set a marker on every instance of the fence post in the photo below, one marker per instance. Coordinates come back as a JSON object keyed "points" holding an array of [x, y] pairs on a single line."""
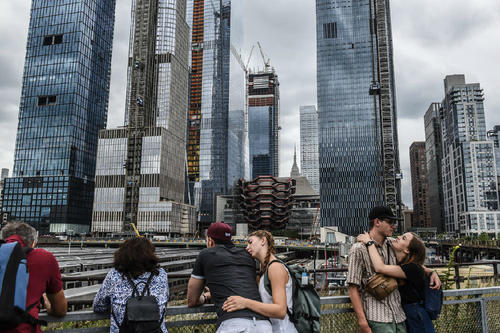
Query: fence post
{"points": [[495, 273], [457, 276], [484, 318]]}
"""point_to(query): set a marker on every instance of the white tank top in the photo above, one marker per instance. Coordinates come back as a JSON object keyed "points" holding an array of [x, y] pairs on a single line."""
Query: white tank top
{"points": [[279, 325]]}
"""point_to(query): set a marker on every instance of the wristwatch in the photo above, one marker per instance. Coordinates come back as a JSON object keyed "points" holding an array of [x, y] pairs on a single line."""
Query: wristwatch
{"points": [[369, 243]]}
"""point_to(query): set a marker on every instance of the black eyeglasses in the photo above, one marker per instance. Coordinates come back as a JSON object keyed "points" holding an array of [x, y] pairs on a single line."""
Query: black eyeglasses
{"points": [[391, 222]]}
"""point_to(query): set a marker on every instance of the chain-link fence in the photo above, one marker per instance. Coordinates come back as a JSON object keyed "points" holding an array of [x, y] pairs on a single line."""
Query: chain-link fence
{"points": [[464, 311]]}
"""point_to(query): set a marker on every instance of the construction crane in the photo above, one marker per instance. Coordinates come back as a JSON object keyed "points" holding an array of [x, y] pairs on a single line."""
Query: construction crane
{"points": [[239, 58], [135, 229], [267, 63]]}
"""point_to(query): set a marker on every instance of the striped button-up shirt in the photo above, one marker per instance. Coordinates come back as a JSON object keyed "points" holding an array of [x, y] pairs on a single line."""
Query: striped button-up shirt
{"points": [[360, 270]]}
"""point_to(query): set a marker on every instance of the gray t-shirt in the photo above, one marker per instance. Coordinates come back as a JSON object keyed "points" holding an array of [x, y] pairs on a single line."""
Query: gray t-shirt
{"points": [[228, 271]]}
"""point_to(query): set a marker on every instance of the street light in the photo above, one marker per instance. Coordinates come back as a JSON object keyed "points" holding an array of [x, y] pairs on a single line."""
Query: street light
{"points": [[69, 232]]}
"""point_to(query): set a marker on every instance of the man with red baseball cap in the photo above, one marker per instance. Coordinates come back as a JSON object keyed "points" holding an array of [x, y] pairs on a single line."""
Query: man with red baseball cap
{"points": [[226, 270]]}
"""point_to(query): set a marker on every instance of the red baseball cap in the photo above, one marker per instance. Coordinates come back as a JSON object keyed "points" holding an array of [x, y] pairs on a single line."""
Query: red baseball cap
{"points": [[220, 231]]}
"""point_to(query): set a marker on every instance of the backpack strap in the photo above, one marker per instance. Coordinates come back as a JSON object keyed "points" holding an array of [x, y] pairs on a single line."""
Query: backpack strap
{"points": [[267, 282], [134, 286], [267, 286], [146, 287]]}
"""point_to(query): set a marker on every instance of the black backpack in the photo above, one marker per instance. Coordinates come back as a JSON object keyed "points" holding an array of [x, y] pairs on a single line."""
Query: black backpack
{"points": [[306, 308], [142, 312], [14, 277]]}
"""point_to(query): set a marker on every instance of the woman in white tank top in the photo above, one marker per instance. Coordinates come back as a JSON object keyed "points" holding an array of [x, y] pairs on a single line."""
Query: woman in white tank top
{"points": [[261, 247]]}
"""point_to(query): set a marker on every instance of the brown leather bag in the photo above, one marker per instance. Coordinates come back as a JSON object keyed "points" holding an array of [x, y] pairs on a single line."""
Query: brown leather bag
{"points": [[380, 285]]}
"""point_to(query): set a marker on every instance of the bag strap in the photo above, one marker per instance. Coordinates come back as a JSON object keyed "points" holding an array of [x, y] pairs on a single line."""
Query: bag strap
{"points": [[267, 282], [134, 286], [146, 286], [28, 318]]}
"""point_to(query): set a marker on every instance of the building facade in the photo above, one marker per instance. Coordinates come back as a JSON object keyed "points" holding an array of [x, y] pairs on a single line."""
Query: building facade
{"points": [[141, 166], [469, 171], [309, 161], [358, 143], [433, 157], [5, 174], [64, 104], [263, 122], [236, 165], [419, 186], [207, 149], [494, 136]]}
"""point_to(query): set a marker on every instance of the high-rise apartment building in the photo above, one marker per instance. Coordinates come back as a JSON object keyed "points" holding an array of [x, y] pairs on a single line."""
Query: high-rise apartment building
{"points": [[468, 165], [64, 104], [433, 157], [419, 186], [309, 161], [207, 148], [141, 167], [494, 135], [263, 122], [358, 143]]}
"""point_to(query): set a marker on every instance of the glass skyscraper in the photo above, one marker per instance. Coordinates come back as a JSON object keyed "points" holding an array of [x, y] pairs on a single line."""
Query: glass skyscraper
{"points": [[358, 146], [64, 103], [141, 167], [469, 174], [207, 148], [309, 145], [236, 165], [263, 123]]}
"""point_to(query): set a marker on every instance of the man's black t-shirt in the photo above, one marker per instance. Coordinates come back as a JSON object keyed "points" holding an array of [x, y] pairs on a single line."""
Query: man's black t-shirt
{"points": [[413, 288], [228, 271]]}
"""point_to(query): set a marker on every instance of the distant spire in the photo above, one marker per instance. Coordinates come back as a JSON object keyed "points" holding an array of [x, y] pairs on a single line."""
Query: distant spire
{"points": [[295, 169]]}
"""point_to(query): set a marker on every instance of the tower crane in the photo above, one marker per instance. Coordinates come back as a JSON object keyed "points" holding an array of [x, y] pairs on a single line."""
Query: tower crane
{"points": [[267, 63]]}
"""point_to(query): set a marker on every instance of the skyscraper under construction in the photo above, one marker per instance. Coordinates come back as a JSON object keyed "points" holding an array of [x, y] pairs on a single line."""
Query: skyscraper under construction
{"points": [[358, 143], [141, 167], [263, 122]]}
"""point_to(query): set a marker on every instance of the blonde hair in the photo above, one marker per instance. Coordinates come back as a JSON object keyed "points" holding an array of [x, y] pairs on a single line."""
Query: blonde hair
{"points": [[270, 246]]}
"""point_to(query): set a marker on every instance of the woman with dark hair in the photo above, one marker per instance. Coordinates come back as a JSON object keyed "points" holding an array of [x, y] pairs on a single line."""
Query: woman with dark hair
{"points": [[275, 306], [410, 254], [135, 267]]}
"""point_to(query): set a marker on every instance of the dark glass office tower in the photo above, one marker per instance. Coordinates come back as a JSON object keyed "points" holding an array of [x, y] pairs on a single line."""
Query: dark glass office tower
{"points": [[263, 122], [64, 103], [207, 147], [358, 146]]}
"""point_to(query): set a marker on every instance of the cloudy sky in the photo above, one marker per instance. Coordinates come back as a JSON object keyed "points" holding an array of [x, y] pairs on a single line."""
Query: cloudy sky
{"points": [[431, 39]]}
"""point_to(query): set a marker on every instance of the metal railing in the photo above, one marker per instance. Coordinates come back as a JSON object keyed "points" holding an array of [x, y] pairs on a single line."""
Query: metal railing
{"points": [[464, 311]]}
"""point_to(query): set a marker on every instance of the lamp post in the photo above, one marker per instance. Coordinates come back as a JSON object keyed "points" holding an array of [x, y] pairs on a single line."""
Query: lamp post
{"points": [[69, 232]]}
